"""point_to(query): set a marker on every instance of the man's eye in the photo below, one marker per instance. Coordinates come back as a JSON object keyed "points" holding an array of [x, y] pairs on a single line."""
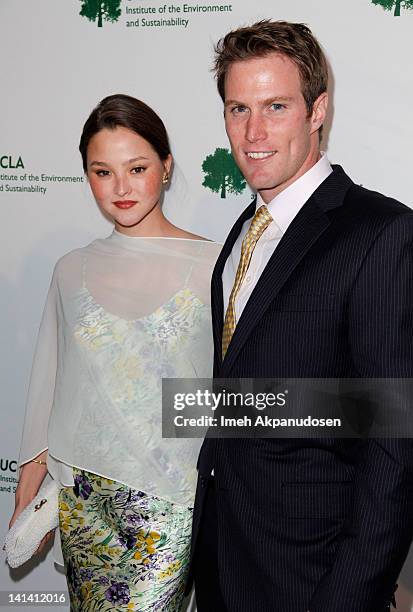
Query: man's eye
{"points": [[137, 170], [276, 106], [236, 110], [102, 172]]}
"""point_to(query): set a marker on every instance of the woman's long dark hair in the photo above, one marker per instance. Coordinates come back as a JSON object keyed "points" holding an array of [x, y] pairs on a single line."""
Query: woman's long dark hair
{"points": [[120, 110]]}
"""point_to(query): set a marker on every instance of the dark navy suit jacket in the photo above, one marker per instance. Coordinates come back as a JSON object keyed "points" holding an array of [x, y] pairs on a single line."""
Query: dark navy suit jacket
{"points": [[319, 524]]}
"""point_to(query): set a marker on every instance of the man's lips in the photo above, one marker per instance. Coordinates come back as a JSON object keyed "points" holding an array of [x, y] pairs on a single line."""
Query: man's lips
{"points": [[124, 203], [259, 155]]}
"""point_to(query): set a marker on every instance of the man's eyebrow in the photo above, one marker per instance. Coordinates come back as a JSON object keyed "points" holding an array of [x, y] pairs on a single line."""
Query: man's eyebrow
{"points": [[278, 99], [231, 102], [263, 102]]}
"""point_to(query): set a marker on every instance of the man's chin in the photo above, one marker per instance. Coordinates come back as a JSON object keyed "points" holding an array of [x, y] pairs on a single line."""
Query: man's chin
{"points": [[263, 183], [266, 188]]}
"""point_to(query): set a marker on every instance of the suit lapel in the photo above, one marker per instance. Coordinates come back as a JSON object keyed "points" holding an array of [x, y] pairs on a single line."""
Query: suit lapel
{"points": [[216, 283], [305, 229]]}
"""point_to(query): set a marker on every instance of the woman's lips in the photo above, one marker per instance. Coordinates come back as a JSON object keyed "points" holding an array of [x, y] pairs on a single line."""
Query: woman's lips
{"points": [[123, 204]]}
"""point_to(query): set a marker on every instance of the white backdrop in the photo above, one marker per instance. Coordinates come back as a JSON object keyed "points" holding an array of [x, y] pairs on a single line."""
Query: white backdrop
{"points": [[57, 64]]}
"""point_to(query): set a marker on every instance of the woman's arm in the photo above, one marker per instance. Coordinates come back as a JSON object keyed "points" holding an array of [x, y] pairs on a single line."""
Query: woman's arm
{"points": [[38, 407], [31, 477]]}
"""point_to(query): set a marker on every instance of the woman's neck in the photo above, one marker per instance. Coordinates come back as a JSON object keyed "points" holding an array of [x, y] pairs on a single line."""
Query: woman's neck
{"points": [[153, 224]]}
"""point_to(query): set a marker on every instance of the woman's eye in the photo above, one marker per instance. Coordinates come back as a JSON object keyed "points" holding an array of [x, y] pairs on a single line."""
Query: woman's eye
{"points": [[102, 172], [138, 170]]}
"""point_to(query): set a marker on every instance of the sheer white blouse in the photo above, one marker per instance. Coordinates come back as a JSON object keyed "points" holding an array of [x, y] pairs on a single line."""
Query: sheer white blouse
{"points": [[121, 314]]}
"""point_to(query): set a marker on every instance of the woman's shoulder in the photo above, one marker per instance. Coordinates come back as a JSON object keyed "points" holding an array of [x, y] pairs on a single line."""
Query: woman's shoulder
{"points": [[69, 258], [199, 247], [74, 258], [180, 233]]}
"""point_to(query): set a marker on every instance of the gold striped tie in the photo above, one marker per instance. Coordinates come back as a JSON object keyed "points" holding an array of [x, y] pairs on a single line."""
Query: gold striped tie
{"points": [[260, 222]]}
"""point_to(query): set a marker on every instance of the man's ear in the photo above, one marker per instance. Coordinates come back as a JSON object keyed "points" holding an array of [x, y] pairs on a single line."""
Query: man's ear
{"points": [[319, 112]]}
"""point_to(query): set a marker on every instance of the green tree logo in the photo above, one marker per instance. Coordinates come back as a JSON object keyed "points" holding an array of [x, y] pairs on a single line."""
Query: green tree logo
{"points": [[108, 10], [222, 173], [388, 5]]}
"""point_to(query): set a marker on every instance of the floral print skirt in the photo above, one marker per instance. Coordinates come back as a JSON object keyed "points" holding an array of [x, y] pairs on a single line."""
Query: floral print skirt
{"points": [[123, 549]]}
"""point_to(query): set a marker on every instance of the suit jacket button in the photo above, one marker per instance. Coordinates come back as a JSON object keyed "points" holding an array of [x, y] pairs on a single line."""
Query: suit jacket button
{"points": [[204, 481]]}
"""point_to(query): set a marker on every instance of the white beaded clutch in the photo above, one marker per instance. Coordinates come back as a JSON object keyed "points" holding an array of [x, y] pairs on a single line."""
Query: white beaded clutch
{"points": [[30, 527]]}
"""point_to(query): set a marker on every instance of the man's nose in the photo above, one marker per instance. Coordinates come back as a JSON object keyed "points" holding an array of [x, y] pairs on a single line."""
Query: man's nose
{"points": [[256, 130]]}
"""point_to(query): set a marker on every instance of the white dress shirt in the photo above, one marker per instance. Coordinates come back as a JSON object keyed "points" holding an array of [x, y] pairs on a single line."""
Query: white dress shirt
{"points": [[283, 208]]}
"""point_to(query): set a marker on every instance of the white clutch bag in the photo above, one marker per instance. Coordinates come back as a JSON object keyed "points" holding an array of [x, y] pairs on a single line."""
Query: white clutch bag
{"points": [[40, 517]]}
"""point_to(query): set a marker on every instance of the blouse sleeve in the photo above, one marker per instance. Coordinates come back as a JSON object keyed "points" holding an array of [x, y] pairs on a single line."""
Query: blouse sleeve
{"points": [[42, 381]]}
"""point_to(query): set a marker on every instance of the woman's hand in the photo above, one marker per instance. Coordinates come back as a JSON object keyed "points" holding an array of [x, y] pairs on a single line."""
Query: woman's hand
{"points": [[31, 477]]}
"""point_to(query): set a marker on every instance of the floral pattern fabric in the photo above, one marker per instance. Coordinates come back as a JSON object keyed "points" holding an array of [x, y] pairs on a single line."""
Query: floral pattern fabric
{"points": [[127, 360], [123, 549]]}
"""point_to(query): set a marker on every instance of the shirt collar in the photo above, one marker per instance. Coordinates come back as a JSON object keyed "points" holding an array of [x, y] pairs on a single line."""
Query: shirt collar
{"points": [[284, 207]]}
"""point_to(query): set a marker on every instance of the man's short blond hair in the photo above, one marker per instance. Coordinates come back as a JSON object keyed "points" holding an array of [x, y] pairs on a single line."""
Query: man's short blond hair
{"points": [[293, 40]]}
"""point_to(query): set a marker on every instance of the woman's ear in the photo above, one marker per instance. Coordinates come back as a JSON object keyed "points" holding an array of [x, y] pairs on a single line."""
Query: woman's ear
{"points": [[167, 163]]}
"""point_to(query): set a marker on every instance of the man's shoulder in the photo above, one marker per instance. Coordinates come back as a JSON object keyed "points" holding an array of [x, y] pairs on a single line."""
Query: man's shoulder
{"points": [[369, 214], [375, 203], [361, 203]]}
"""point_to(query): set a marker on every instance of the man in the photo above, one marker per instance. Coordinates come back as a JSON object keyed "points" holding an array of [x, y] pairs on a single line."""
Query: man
{"points": [[315, 280]]}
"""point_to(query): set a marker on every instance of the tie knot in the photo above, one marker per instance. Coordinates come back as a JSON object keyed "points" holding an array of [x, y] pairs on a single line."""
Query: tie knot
{"points": [[259, 223]]}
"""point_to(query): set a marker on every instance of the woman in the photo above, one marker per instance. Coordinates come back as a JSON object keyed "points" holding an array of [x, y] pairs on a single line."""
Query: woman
{"points": [[121, 314]]}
